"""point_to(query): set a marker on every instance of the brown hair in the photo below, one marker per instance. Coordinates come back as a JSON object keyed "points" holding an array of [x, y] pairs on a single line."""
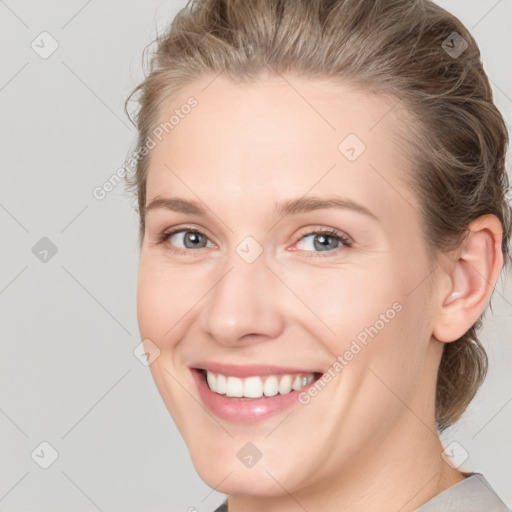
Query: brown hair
{"points": [[411, 50]]}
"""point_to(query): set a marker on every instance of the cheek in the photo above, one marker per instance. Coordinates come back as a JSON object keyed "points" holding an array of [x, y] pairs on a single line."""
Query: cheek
{"points": [[344, 303], [150, 301], [161, 303], [370, 318]]}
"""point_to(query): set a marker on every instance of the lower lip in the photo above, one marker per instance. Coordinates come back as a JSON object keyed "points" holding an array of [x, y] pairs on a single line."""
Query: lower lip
{"points": [[245, 410]]}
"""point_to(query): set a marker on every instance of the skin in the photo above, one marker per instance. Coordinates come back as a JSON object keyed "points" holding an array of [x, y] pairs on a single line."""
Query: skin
{"points": [[368, 440]]}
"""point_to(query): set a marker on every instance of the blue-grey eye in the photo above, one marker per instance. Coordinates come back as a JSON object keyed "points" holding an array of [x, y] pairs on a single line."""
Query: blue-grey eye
{"points": [[321, 242], [191, 239]]}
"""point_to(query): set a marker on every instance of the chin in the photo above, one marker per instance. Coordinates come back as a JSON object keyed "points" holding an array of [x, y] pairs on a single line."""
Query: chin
{"points": [[268, 476], [251, 482]]}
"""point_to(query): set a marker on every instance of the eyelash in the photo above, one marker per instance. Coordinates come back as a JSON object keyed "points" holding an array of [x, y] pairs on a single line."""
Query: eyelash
{"points": [[346, 241]]}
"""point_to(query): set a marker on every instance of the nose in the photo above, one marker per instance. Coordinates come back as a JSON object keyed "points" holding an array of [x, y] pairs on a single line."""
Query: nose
{"points": [[244, 305]]}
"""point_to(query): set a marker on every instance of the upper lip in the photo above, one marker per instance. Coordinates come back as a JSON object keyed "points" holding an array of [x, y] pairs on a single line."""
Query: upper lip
{"points": [[250, 370]]}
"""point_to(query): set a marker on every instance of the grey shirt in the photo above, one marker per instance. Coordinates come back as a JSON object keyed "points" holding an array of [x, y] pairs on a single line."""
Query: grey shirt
{"points": [[474, 494]]}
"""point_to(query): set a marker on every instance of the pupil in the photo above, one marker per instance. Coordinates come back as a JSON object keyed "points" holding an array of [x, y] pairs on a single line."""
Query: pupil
{"points": [[192, 237], [324, 241]]}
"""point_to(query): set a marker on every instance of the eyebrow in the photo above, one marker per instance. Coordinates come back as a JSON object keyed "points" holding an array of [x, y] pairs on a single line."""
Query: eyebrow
{"points": [[290, 207]]}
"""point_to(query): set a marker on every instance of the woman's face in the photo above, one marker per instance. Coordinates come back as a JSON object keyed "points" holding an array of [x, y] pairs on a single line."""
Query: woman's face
{"points": [[243, 288]]}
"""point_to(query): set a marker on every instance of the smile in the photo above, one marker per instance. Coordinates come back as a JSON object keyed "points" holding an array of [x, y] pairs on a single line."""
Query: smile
{"points": [[260, 393], [257, 387]]}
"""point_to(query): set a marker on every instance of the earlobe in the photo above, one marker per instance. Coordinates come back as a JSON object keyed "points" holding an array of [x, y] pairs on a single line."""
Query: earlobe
{"points": [[472, 277]]}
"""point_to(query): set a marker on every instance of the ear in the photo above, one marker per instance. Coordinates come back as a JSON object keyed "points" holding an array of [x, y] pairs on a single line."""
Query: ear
{"points": [[471, 277]]}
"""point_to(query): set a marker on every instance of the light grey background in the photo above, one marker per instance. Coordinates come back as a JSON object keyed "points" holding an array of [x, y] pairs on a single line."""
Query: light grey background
{"points": [[69, 326]]}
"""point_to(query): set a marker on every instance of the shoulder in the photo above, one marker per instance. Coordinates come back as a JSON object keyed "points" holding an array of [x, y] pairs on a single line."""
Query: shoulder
{"points": [[222, 508], [474, 494]]}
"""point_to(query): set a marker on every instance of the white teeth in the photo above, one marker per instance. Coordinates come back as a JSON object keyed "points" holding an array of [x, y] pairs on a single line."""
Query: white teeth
{"points": [[285, 384], [234, 386], [253, 387], [256, 387], [211, 379], [221, 384], [271, 386]]}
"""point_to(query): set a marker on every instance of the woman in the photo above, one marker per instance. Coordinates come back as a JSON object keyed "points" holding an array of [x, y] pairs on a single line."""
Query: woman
{"points": [[321, 190]]}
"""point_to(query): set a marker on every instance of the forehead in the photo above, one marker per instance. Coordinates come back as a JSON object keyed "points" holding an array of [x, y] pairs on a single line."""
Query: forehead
{"points": [[281, 137]]}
